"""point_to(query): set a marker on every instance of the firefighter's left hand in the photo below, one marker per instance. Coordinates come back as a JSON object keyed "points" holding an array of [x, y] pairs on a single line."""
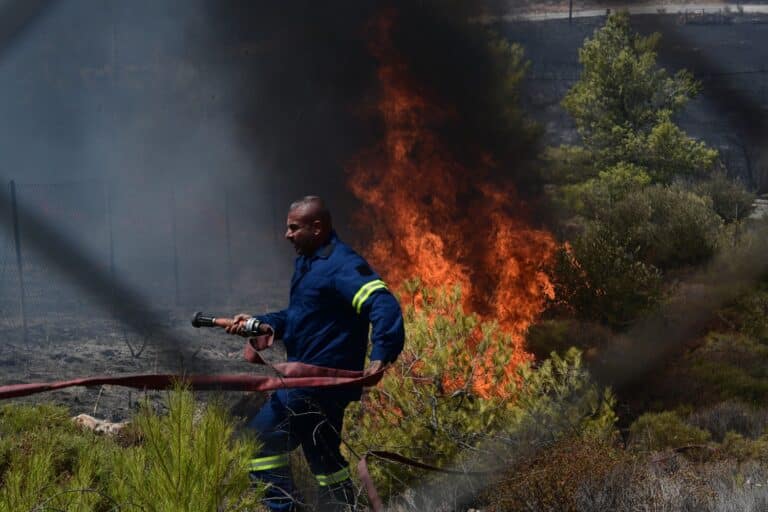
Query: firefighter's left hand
{"points": [[373, 368]]}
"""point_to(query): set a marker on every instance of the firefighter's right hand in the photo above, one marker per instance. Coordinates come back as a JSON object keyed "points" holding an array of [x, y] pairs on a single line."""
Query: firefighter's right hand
{"points": [[238, 324]]}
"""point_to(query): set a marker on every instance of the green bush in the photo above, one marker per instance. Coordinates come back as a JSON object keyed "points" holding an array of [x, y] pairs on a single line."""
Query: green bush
{"points": [[667, 227], [595, 197], [599, 280], [658, 431], [749, 313], [730, 366], [184, 463], [730, 199], [742, 449], [435, 404], [181, 462]]}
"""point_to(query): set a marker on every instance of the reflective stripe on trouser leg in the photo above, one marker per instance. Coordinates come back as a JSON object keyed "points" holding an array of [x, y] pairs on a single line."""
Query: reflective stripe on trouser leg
{"points": [[273, 470], [270, 462], [333, 478]]}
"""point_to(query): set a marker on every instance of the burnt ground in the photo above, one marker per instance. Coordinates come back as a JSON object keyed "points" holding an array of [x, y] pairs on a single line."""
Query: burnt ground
{"points": [[74, 346]]}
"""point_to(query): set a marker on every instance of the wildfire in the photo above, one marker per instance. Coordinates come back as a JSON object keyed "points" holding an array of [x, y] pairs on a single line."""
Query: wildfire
{"points": [[444, 222]]}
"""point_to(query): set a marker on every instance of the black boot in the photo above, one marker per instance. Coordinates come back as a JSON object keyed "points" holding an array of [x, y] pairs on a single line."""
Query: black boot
{"points": [[338, 497]]}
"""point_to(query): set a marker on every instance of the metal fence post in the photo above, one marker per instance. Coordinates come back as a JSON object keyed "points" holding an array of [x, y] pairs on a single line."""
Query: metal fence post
{"points": [[19, 262], [227, 233], [175, 249], [110, 235]]}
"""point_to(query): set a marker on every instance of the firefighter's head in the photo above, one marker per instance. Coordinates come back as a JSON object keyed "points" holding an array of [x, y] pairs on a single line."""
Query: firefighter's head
{"points": [[308, 226]]}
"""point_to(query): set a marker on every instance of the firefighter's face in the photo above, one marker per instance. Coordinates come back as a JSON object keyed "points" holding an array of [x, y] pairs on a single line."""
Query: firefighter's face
{"points": [[303, 232]]}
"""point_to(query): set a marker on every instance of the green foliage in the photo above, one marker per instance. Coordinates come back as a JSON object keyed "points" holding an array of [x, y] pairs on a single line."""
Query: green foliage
{"points": [[559, 397], [736, 446], [658, 431], [623, 103], [730, 366], [182, 462], [600, 280], [667, 227], [596, 196], [451, 390], [47, 461], [749, 313], [626, 222], [729, 197], [568, 165]]}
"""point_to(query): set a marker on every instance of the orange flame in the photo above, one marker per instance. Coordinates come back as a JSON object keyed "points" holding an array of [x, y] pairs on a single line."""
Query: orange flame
{"points": [[445, 223]]}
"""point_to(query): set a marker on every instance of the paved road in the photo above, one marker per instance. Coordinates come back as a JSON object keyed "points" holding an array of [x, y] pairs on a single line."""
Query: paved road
{"points": [[708, 8]]}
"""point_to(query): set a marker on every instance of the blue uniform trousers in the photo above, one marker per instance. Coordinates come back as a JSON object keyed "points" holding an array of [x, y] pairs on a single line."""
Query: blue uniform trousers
{"points": [[312, 419]]}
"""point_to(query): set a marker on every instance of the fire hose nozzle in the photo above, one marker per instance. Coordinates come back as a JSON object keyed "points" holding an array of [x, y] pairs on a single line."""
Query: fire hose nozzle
{"points": [[202, 320]]}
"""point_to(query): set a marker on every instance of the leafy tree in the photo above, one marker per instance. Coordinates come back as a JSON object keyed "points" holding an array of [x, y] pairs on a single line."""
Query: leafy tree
{"points": [[621, 190], [623, 105]]}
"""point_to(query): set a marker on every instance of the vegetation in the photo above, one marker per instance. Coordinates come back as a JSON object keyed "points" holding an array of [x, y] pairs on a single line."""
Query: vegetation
{"points": [[430, 406], [642, 205], [640, 198], [186, 460]]}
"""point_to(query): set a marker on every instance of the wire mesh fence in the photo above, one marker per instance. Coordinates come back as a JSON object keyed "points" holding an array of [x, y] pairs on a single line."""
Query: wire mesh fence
{"points": [[181, 252]]}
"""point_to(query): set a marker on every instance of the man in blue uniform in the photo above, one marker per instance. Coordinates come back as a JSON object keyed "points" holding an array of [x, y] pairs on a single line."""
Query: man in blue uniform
{"points": [[335, 296]]}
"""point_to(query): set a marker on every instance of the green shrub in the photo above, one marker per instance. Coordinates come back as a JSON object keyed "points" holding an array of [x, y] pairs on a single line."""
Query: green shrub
{"points": [[184, 463], [667, 227], [435, 406], [599, 280], [736, 446], [48, 462], [658, 431], [595, 197], [749, 313], [730, 366], [730, 199], [181, 462]]}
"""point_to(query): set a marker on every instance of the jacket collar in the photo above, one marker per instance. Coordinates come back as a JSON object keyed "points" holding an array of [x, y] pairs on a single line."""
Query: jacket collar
{"points": [[326, 250]]}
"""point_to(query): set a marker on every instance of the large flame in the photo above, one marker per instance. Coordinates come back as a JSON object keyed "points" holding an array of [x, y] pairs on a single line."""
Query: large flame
{"points": [[436, 219]]}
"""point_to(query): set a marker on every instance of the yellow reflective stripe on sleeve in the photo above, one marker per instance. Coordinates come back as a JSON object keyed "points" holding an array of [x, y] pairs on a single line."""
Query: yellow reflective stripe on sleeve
{"points": [[365, 291], [265, 463], [333, 478]]}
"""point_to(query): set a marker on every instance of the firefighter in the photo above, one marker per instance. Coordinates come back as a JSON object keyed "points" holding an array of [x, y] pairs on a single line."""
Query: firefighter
{"points": [[334, 297]]}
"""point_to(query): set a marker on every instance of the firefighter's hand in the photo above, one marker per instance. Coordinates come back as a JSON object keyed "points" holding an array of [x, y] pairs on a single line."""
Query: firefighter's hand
{"points": [[238, 323], [263, 342], [374, 367]]}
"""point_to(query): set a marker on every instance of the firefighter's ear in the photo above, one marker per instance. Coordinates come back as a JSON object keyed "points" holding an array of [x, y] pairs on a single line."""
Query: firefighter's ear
{"points": [[317, 227]]}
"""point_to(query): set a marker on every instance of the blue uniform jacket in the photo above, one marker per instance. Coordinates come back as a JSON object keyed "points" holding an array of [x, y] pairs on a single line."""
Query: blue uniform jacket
{"points": [[334, 297]]}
